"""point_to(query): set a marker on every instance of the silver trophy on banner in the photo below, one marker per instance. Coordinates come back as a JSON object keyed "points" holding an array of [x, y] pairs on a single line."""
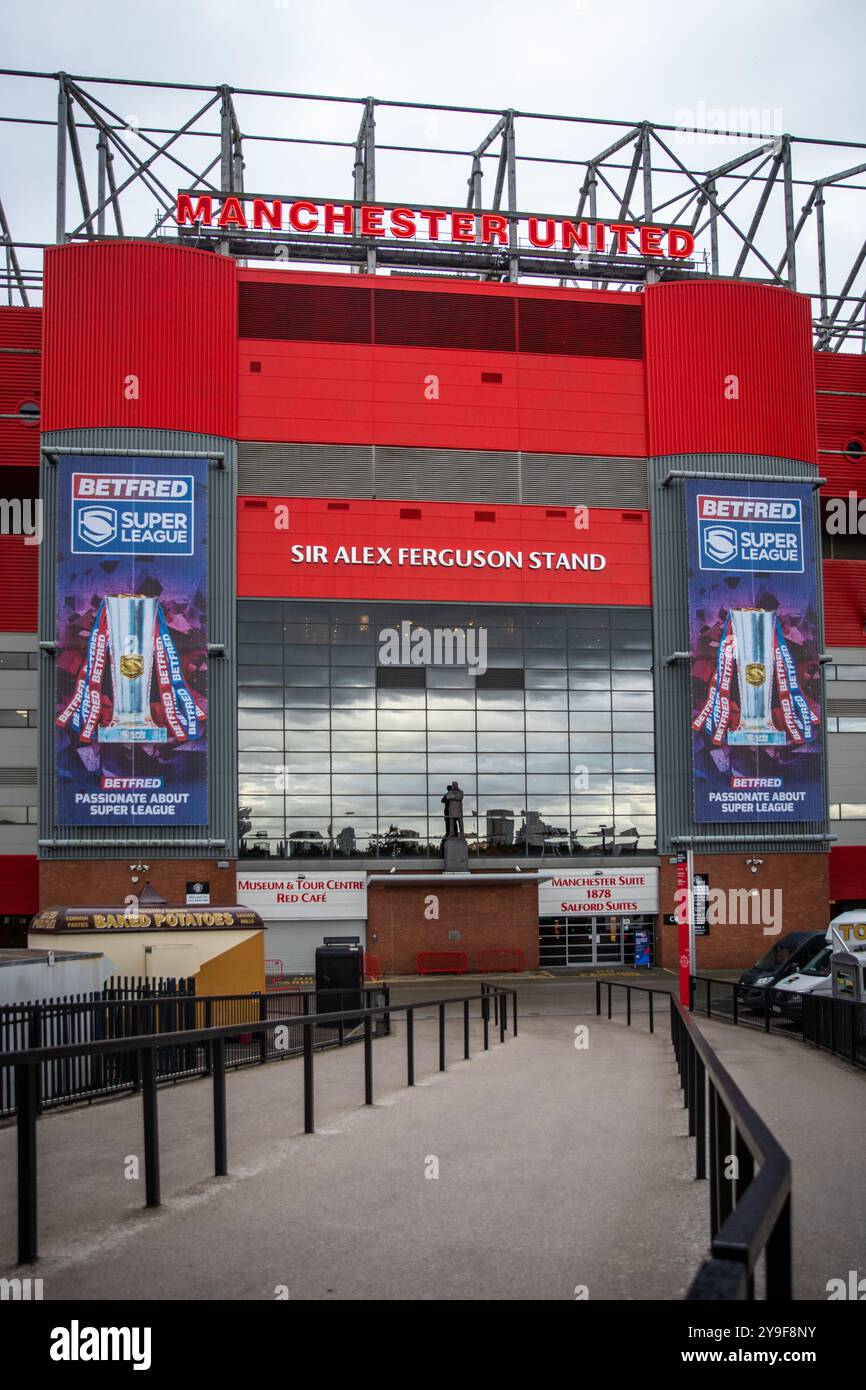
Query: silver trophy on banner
{"points": [[131, 619], [754, 630]]}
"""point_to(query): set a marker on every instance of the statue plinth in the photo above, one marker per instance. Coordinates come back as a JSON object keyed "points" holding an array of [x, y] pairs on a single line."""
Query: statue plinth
{"points": [[456, 852]]}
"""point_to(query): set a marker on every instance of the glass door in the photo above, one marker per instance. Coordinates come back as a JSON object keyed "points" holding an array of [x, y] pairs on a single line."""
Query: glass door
{"points": [[608, 941], [552, 951], [580, 941]]}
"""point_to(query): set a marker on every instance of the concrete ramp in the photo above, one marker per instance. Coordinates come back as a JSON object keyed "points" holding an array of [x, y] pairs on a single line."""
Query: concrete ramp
{"points": [[560, 1170]]}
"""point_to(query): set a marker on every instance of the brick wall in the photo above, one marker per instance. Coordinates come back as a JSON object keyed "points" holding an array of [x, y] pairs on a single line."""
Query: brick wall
{"points": [[805, 889], [108, 882], [488, 918]]}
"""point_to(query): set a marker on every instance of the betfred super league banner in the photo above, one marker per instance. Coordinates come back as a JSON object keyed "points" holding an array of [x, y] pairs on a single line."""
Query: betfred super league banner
{"points": [[131, 628], [757, 742]]}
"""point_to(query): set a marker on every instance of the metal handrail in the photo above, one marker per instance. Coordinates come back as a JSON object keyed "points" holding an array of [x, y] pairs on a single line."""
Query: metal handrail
{"points": [[26, 1064], [621, 984], [750, 1211], [64, 1022]]}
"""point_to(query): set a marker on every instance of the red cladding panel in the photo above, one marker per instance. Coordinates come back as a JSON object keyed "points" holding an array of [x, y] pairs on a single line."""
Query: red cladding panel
{"points": [[19, 569], [19, 884], [383, 550], [340, 393], [20, 328], [847, 872], [844, 603], [325, 360], [162, 314], [840, 380], [729, 370], [20, 341]]}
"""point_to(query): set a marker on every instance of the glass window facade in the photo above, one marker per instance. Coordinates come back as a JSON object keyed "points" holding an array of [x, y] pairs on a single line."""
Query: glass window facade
{"points": [[337, 759]]}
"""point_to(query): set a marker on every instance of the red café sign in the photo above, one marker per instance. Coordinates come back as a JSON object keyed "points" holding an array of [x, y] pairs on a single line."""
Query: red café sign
{"points": [[245, 212]]}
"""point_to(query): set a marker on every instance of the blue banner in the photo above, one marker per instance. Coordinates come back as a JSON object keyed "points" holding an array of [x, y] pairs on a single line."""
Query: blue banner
{"points": [[131, 622], [757, 747]]}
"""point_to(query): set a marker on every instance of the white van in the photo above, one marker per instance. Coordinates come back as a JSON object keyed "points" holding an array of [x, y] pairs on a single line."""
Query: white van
{"points": [[815, 977]]}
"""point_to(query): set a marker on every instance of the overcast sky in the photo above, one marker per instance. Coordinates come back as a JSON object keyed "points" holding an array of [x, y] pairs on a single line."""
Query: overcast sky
{"points": [[797, 62]]}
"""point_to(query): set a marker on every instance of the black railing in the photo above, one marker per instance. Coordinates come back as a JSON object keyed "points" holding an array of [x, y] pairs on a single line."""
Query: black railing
{"points": [[216, 1043], [836, 1025], [749, 1173], [70, 1078], [629, 990]]}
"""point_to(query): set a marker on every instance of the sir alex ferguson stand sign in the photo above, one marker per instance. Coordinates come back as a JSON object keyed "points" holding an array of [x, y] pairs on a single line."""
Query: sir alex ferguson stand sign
{"points": [[131, 623], [756, 684]]}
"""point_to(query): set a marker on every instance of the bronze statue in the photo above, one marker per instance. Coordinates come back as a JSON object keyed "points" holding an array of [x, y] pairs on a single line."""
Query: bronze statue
{"points": [[453, 799], [445, 810]]}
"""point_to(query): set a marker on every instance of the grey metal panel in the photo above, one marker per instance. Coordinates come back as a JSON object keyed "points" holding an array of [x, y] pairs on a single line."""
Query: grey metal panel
{"points": [[848, 656], [158, 841], [849, 832], [17, 776], [849, 709], [447, 475], [847, 762], [305, 470], [583, 480], [672, 683], [440, 475]]}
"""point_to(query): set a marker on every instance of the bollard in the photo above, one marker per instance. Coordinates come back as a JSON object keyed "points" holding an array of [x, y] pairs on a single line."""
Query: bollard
{"points": [[220, 1139], [309, 1097], [368, 1060], [27, 1104], [151, 1126]]}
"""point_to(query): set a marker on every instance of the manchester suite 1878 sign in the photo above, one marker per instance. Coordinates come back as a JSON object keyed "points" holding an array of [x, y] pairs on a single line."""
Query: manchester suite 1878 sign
{"points": [[756, 678], [131, 743]]}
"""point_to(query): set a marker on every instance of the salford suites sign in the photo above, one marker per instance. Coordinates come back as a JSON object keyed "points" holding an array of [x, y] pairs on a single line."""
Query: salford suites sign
{"points": [[244, 212]]}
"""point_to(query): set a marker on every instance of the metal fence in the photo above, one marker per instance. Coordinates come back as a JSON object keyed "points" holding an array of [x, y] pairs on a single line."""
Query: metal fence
{"points": [[215, 1044], [834, 1025], [72, 1018], [67, 1077]]}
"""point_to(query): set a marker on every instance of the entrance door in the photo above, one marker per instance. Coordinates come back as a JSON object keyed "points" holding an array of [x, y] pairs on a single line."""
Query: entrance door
{"points": [[608, 941], [580, 941]]}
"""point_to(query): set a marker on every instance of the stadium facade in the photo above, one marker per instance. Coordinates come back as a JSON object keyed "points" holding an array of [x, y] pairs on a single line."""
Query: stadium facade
{"points": [[318, 545]]}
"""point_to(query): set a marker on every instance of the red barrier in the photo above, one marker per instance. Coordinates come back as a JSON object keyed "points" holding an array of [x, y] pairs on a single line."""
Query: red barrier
{"points": [[372, 967], [504, 960], [442, 962], [275, 977]]}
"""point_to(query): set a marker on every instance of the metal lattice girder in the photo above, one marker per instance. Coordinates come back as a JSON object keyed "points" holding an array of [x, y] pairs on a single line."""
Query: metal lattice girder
{"points": [[14, 276], [141, 169], [746, 210]]}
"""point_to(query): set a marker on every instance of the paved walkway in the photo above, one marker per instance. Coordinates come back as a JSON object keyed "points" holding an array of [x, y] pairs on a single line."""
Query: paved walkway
{"points": [[558, 1168], [815, 1105]]}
